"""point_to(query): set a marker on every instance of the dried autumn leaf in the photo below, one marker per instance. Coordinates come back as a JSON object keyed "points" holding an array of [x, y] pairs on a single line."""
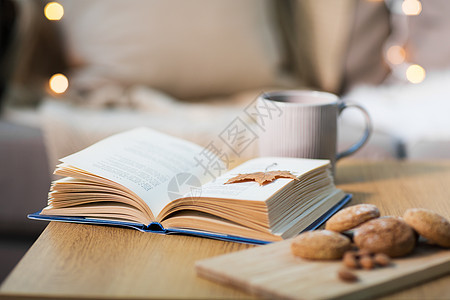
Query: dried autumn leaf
{"points": [[261, 177]]}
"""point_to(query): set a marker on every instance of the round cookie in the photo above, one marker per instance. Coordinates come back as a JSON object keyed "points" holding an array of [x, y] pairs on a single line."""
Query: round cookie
{"points": [[430, 225], [351, 217], [388, 235], [320, 244]]}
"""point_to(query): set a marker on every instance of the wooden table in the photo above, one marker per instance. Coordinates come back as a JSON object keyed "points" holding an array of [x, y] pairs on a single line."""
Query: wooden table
{"points": [[71, 260]]}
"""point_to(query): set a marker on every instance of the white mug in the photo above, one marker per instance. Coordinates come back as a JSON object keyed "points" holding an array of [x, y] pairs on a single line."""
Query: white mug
{"points": [[304, 124]]}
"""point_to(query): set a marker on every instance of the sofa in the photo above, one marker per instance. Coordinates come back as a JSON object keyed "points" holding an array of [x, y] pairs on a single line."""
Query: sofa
{"points": [[187, 69]]}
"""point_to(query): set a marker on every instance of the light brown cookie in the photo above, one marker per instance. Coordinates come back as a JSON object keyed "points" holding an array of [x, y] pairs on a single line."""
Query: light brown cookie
{"points": [[320, 244], [430, 225], [351, 217], [388, 235]]}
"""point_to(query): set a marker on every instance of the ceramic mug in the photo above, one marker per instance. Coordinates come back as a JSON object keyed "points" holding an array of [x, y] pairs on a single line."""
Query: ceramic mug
{"points": [[304, 124]]}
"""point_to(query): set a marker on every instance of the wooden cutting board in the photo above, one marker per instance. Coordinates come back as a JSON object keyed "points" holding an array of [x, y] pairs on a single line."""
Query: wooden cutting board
{"points": [[272, 271]]}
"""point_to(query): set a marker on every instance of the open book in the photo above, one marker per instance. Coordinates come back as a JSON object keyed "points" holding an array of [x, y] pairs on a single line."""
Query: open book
{"points": [[154, 182]]}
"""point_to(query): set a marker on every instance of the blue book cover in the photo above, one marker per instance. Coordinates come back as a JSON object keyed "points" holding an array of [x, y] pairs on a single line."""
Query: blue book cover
{"points": [[157, 227]]}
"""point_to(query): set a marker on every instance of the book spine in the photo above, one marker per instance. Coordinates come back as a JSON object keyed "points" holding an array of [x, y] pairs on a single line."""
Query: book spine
{"points": [[155, 227]]}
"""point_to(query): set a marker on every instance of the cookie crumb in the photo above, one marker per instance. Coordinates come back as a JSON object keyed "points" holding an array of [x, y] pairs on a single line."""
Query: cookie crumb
{"points": [[347, 276], [364, 252], [382, 259], [350, 260], [367, 262]]}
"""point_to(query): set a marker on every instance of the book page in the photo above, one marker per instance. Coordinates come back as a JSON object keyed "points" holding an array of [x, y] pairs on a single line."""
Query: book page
{"points": [[252, 190], [144, 161]]}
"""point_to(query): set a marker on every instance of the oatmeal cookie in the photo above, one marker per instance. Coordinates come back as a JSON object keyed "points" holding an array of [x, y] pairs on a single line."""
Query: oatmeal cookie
{"points": [[320, 244], [388, 235], [352, 216], [430, 225]]}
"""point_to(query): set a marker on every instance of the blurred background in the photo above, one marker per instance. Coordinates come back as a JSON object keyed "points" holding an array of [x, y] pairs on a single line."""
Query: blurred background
{"points": [[74, 72]]}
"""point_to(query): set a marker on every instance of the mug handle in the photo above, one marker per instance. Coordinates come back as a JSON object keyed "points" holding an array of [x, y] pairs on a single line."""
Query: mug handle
{"points": [[367, 131]]}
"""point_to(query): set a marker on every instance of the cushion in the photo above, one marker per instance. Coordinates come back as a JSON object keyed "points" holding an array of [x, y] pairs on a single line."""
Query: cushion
{"points": [[321, 31], [364, 62], [188, 49], [338, 44]]}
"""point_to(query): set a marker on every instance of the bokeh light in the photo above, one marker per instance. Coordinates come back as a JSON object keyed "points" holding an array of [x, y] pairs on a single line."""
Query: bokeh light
{"points": [[396, 55], [54, 11], [58, 83], [411, 7], [415, 74]]}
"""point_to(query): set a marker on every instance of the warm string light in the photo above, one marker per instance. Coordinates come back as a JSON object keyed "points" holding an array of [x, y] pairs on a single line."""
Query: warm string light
{"points": [[54, 11], [415, 74], [396, 53], [58, 83], [411, 7]]}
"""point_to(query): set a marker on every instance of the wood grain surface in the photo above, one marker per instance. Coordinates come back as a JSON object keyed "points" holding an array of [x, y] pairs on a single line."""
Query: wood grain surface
{"points": [[72, 260]]}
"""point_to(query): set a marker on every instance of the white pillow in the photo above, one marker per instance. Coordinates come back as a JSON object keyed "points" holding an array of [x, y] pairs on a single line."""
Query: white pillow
{"points": [[189, 49]]}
